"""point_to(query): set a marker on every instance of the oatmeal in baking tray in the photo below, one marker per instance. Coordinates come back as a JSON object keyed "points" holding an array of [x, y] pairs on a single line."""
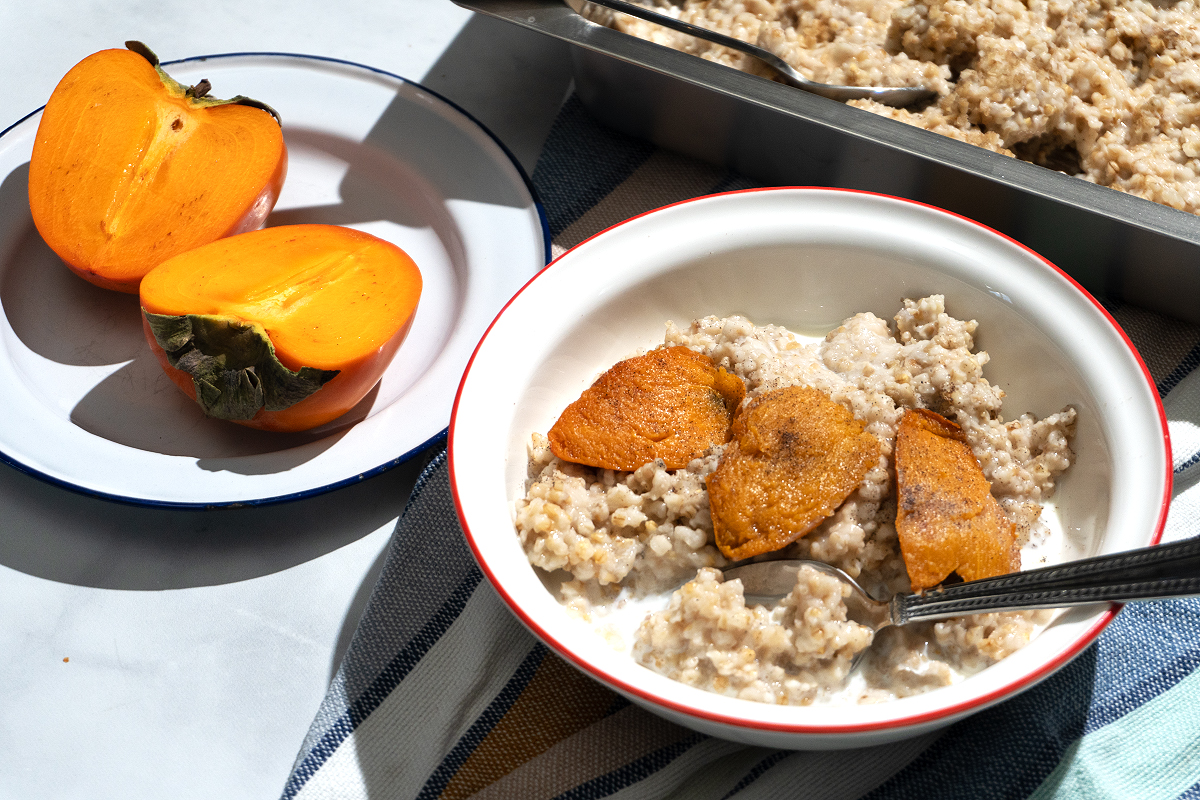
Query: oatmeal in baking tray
{"points": [[1107, 90], [635, 548]]}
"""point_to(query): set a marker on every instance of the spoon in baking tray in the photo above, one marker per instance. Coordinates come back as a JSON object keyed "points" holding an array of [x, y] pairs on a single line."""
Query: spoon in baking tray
{"points": [[889, 96], [1149, 573]]}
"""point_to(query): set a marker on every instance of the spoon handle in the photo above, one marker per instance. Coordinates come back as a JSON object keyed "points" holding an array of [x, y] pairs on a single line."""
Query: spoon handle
{"points": [[1150, 573]]}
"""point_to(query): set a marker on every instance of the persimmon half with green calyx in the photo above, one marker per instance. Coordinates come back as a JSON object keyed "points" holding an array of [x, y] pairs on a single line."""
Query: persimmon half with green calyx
{"points": [[946, 517], [282, 329], [130, 168]]}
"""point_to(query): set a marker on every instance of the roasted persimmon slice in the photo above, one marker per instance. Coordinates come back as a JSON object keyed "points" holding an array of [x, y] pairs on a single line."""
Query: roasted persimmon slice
{"points": [[129, 168], [672, 403], [946, 517], [282, 329], [796, 456]]}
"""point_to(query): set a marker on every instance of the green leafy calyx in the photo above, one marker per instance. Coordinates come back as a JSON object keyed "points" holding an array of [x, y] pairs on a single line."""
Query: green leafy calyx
{"points": [[198, 94], [232, 364]]}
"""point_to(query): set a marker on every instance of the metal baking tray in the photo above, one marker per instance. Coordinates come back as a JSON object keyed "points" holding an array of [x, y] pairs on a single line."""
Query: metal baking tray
{"points": [[1116, 245]]}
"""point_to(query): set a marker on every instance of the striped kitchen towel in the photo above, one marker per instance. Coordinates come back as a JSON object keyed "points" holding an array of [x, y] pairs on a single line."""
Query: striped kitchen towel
{"points": [[443, 694]]}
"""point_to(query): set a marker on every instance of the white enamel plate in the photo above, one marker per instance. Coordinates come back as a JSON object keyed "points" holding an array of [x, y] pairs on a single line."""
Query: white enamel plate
{"points": [[84, 404]]}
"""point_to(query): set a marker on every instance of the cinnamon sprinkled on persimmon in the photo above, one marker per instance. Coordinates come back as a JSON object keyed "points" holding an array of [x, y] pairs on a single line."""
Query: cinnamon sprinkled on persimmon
{"points": [[947, 519], [671, 403], [795, 457]]}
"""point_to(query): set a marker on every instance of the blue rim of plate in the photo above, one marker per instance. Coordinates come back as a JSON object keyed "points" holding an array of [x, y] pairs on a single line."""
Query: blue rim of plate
{"points": [[437, 438]]}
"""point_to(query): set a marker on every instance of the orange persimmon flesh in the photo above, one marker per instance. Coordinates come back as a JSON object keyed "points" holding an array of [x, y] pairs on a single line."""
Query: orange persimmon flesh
{"points": [[671, 403], [795, 457], [947, 519], [129, 168], [328, 297]]}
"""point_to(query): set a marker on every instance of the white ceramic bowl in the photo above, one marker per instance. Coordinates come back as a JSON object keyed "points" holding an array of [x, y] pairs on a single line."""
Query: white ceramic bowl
{"points": [[807, 259]]}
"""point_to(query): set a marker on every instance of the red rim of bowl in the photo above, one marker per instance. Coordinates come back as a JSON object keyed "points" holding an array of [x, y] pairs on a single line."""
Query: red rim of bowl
{"points": [[976, 703]]}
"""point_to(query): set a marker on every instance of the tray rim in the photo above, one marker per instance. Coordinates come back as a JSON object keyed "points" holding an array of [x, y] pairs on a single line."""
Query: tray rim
{"points": [[557, 19]]}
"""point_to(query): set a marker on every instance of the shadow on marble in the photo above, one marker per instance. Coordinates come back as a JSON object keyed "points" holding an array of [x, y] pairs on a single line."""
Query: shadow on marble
{"points": [[70, 538], [354, 611], [528, 77], [512, 80], [54, 312]]}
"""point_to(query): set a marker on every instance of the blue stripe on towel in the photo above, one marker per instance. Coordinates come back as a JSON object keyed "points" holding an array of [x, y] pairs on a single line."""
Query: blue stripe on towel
{"points": [[483, 724], [1191, 462], [639, 770], [567, 191], [1005, 752], [757, 771], [1191, 794], [382, 686], [1189, 363], [1147, 650], [733, 182], [413, 650], [1151, 753]]}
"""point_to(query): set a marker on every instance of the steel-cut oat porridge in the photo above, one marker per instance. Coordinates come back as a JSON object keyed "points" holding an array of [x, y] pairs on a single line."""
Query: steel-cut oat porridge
{"points": [[616, 545], [1107, 90]]}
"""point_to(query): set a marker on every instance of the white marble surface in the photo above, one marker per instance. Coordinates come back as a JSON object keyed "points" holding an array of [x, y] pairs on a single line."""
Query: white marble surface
{"points": [[151, 654]]}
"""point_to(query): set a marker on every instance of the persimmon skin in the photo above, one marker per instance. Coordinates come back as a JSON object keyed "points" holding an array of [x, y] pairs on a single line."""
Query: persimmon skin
{"points": [[115, 188], [255, 278], [332, 401]]}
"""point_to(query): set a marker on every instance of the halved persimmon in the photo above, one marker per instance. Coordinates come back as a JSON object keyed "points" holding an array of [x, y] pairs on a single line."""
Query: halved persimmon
{"points": [[130, 168], [284, 328]]}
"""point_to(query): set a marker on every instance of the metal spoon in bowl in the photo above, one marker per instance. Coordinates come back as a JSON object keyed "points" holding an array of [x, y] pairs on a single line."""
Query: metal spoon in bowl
{"points": [[1149, 573], [889, 96]]}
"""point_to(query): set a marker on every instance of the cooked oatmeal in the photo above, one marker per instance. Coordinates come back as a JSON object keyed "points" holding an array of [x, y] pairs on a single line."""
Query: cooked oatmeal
{"points": [[1107, 90], [633, 537], [787, 654]]}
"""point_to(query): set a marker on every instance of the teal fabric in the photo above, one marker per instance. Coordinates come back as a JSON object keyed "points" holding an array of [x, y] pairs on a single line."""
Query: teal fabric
{"points": [[1152, 753]]}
